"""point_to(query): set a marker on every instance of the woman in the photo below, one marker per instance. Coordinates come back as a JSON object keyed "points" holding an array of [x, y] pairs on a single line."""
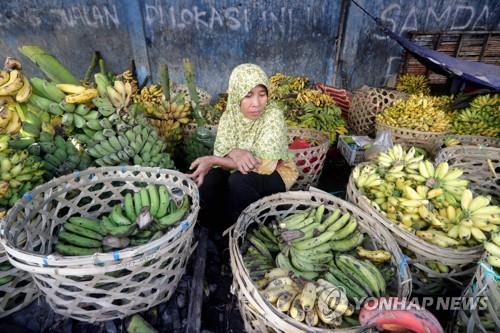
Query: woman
{"points": [[251, 158]]}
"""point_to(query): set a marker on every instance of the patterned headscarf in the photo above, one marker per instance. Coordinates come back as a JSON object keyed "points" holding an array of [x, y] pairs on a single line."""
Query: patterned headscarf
{"points": [[265, 137]]}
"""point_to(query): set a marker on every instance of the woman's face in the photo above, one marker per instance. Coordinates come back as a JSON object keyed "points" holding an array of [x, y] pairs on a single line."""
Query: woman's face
{"points": [[253, 104]]}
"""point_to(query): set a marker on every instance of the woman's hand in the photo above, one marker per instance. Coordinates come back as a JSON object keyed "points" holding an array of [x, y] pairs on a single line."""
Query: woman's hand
{"points": [[244, 159], [203, 165]]}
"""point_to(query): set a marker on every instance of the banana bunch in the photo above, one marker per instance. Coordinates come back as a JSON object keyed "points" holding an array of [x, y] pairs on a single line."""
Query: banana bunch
{"points": [[129, 77], [493, 250], [432, 202], [318, 304], [418, 112], [480, 118], [19, 173], [143, 217], [314, 97], [14, 84], [413, 84], [77, 94], [327, 119], [211, 114], [139, 145], [177, 109], [10, 122], [152, 94], [311, 240], [60, 156], [282, 86]]}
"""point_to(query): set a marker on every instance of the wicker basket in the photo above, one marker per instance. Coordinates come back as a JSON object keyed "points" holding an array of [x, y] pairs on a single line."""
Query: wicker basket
{"points": [[19, 292], [259, 315], [474, 161], [461, 261], [309, 161], [484, 285], [366, 104], [427, 140], [103, 286]]}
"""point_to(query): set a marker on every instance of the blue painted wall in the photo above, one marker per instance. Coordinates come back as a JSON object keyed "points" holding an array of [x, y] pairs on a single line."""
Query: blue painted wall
{"points": [[289, 36]]}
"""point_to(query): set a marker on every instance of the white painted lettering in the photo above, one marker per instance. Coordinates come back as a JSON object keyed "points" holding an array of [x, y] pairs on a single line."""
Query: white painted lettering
{"points": [[458, 9], [197, 18], [485, 13], [232, 22], [442, 20], [410, 23]]}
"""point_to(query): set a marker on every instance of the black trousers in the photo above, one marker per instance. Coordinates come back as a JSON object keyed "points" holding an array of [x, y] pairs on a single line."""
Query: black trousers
{"points": [[224, 195]]}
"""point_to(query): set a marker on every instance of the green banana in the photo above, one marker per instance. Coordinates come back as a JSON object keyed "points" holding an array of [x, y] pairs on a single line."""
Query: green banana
{"points": [[129, 207], [348, 243], [164, 198], [348, 229], [145, 198], [359, 272], [117, 216], [153, 199], [282, 261], [81, 231], [71, 250], [137, 203], [77, 240], [347, 280], [114, 229], [176, 215], [315, 241], [340, 223]]}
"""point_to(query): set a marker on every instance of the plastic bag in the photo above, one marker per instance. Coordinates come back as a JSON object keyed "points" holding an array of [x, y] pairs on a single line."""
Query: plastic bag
{"points": [[383, 141]]}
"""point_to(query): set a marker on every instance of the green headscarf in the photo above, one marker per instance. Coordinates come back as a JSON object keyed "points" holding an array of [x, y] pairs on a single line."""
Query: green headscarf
{"points": [[266, 137]]}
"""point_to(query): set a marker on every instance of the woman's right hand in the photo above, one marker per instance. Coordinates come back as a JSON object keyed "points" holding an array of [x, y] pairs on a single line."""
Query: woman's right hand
{"points": [[202, 166], [244, 159]]}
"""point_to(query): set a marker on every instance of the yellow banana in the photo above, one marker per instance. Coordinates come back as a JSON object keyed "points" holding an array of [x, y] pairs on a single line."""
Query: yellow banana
{"points": [[466, 199], [70, 88], [82, 98], [24, 93]]}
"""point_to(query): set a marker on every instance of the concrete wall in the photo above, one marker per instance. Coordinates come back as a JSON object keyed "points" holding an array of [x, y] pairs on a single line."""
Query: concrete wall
{"points": [[289, 36]]}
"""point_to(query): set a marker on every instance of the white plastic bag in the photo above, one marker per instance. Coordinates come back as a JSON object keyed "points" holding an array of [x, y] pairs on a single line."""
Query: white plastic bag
{"points": [[383, 141]]}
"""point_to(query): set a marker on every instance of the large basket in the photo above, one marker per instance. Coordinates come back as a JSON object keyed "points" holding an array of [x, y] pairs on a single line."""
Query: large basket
{"points": [[427, 140], [482, 287], [461, 261], [309, 161], [473, 160], [17, 293], [103, 286], [258, 314], [366, 104]]}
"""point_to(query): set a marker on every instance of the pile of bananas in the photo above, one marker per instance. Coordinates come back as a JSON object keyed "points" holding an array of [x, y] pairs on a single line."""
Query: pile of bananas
{"points": [[327, 119], [418, 112], [314, 97], [482, 117], [318, 304], [432, 202], [283, 86], [310, 246], [139, 145], [200, 143], [413, 84], [19, 173], [144, 216], [152, 94]]}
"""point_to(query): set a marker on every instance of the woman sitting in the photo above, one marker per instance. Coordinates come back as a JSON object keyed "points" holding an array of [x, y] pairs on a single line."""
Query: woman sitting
{"points": [[251, 158]]}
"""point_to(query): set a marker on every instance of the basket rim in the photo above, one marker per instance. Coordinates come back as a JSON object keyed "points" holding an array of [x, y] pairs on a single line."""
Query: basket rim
{"points": [[403, 268], [97, 258], [379, 124], [402, 233], [324, 142]]}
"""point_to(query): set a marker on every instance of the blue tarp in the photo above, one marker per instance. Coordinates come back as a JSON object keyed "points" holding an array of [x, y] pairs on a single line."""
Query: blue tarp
{"points": [[485, 75]]}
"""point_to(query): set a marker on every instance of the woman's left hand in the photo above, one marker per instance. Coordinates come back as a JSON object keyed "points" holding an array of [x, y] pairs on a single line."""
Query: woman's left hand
{"points": [[203, 165]]}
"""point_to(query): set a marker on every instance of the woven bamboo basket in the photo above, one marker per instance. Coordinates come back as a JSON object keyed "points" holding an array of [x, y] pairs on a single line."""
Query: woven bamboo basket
{"points": [[474, 161], [483, 293], [366, 103], [309, 161], [461, 261], [427, 140], [17, 293], [103, 286], [258, 314]]}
